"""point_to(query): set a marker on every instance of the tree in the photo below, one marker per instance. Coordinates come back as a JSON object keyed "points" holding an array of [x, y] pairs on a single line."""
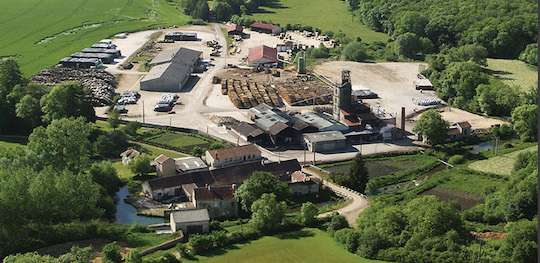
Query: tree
{"points": [[432, 126], [525, 118], [358, 174], [268, 213], [30, 257], [308, 213], [354, 51], [258, 184], [521, 243], [65, 100], [63, 144], [337, 222], [105, 175], [111, 253], [409, 45], [77, 255], [133, 256], [10, 76], [141, 165], [131, 128], [114, 119], [530, 54], [200, 243], [28, 108]]}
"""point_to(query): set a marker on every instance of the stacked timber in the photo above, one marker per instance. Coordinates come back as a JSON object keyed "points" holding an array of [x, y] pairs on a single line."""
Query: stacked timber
{"points": [[245, 94], [304, 92], [101, 83]]}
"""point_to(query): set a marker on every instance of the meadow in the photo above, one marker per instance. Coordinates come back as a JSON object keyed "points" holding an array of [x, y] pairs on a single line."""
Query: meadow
{"points": [[39, 33], [513, 72], [501, 165], [324, 14], [181, 141], [307, 245]]}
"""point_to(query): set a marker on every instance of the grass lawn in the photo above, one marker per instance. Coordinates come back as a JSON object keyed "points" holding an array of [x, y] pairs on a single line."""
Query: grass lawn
{"points": [[39, 33], [502, 164], [513, 72], [324, 14], [12, 142], [307, 245], [181, 140], [227, 38], [466, 181]]}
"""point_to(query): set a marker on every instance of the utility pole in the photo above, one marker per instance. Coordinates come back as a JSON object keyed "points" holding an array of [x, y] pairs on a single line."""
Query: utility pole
{"points": [[313, 155]]}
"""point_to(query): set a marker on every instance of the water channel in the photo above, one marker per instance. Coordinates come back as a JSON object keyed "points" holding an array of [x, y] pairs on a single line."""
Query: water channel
{"points": [[126, 214], [483, 147]]}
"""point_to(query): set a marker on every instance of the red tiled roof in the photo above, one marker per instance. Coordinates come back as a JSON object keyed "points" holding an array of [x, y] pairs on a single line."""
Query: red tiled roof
{"points": [[454, 131], [299, 176], [162, 158], [262, 52], [214, 193], [234, 151], [235, 27], [464, 124], [261, 25]]}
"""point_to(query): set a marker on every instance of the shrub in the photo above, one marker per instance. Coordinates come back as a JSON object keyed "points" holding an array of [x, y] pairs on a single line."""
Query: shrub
{"points": [[507, 145], [338, 222], [111, 253], [456, 159], [199, 243]]}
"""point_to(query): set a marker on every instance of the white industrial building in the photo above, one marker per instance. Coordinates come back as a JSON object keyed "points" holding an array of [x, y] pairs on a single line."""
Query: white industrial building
{"points": [[171, 70]]}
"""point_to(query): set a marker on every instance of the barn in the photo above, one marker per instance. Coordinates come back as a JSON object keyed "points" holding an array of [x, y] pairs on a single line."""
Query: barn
{"points": [[171, 70], [266, 28], [262, 56]]}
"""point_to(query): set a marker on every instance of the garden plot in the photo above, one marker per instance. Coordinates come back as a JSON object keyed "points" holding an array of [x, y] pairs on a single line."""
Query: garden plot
{"points": [[502, 165], [465, 200]]}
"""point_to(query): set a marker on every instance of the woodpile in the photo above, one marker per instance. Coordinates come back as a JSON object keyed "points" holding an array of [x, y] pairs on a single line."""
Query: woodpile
{"points": [[100, 82], [304, 91], [245, 94]]}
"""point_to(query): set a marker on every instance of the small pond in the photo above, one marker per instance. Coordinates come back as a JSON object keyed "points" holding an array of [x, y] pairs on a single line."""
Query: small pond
{"points": [[485, 146], [126, 214]]}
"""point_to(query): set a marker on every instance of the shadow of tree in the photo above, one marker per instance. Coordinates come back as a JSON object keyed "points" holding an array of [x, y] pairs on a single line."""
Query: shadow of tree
{"points": [[295, 234]]}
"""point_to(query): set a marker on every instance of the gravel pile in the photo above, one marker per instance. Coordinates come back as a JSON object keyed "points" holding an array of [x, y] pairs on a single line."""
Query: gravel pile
{"points": [[100, 82]]}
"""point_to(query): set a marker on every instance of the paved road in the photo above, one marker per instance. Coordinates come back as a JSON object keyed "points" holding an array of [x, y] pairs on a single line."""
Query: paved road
{"points": [[353, 209]]}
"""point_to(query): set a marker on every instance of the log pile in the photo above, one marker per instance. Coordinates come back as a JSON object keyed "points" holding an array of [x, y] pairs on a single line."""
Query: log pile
{"points": [[245, 94], [302, 91], [100, 82]]}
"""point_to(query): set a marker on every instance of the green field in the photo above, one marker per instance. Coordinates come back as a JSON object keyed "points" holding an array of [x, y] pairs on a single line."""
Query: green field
{"points": [[39, 33], [181, 141], [513, 72], [463, 180], [323, 14], [307, 245], [12, 142], [502, 165]]}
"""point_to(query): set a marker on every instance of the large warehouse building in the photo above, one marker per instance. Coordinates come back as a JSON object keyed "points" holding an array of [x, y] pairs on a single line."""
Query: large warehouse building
{"points": [[262, 56], [172, 69]]}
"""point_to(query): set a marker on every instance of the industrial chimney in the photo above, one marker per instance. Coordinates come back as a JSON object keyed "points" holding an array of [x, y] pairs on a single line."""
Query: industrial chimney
{"points": [[403, 132]]}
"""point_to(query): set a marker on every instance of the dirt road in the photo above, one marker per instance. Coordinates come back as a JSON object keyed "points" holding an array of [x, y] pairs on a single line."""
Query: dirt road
{"points": [[353, 209]]}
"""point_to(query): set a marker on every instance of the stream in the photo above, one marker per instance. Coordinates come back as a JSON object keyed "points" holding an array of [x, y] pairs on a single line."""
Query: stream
{"points": [[126, 214]]}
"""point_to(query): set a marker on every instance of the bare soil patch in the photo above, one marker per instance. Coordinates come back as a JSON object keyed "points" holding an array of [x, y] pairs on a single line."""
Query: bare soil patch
{"points": [[465, 200], [379, 167]]}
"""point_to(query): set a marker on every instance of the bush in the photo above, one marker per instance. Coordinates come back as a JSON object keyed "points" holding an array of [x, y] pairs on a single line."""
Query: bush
{"points": [[199, 243], [456, 159], [111, 253], [137, 228], [507, 145], [338, 222], [354, 51]]}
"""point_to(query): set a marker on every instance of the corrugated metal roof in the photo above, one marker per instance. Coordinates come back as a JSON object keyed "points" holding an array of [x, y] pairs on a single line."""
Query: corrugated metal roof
{"points": [[324, 136], [175, 72], [179, 55]]}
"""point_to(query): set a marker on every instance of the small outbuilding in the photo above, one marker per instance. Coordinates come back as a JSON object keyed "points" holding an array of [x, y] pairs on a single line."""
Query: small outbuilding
{"points": [[235, 29], [262, 56], [194, 221], [266, 28], [128, 155], [325, 141]]}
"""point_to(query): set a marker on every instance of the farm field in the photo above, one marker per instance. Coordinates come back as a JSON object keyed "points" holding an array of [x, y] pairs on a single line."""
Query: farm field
{"points": [[307, 245], [470, 182], [378, 167], [181, 141], [466, 201], [65, 27], [502, 165], [323, 14], [513, 72]]}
